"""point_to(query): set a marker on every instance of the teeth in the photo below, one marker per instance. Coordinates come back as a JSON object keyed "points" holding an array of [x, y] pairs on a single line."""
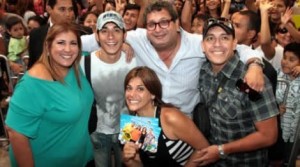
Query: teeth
{"points": [[218, 52], [133, 101], [67, 57]]}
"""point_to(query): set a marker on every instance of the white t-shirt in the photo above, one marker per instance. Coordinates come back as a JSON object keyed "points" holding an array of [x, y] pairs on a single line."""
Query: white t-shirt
{"points": [[108, 86]]}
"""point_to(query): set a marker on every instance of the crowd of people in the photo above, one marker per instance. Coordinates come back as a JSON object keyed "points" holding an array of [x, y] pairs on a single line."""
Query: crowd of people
{"points": [[80, 65]]}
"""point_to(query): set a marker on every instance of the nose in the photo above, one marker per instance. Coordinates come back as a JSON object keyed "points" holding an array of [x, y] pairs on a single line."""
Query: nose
{"points": [[110, 35], [217, 42], [67, 48]]}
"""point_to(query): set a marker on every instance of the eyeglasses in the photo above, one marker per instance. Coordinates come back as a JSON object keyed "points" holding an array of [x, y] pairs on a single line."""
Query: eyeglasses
{"points": [[282, 30], [163, 24], [243, 87]]}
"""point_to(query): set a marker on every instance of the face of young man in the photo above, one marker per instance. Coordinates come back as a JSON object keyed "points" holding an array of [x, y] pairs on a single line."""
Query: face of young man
{"points": [[62, 11], [277, 10], [163, 35], [130, 18], [111, 38], [240, 23], [218, 47]]}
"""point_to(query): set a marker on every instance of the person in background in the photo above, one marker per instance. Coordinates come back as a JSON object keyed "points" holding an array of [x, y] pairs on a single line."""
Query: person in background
{"points": [[198, 23], [34, 22], [243, 121], [52, 130], [179, 136], [290, 107], [17, 46], [89, 19], [59, 11], [131, 16]]}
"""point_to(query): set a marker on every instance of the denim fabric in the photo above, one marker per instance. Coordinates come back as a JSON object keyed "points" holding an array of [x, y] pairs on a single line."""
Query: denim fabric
{"points": [[103, 145]]}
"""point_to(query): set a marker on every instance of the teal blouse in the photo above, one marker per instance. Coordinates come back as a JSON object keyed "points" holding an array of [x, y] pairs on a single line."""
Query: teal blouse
{"points": [[54, 116]]}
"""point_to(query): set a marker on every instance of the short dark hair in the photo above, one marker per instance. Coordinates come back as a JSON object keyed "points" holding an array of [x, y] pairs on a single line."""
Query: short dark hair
{"points": [[38, 19], [293, 47], [11, 21], [130, 6], [158, 6], [52, 3], [254, 21]]}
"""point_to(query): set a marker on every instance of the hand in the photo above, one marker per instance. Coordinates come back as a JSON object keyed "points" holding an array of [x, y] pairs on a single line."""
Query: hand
{"points": [[120, 7], [16, 68], [129, 52], [130, 151], [255, 77], [296, 71], [265, 5], [287, 16], [282, 109], [206, 156]]}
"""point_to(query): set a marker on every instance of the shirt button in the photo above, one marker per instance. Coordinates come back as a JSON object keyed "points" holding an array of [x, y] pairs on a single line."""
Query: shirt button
{"points": [[213, 110], [216, 80]]}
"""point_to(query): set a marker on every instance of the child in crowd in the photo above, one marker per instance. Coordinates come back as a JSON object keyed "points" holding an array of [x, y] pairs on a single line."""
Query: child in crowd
{"points": [[198, 23], [288, 96], [17, 46]]}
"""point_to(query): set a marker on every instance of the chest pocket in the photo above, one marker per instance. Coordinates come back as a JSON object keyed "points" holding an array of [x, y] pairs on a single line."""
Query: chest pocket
{"points": [[229, 104]]}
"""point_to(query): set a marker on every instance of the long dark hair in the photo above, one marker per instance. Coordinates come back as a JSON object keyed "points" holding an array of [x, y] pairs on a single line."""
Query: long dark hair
{"points": [[151, 82]]}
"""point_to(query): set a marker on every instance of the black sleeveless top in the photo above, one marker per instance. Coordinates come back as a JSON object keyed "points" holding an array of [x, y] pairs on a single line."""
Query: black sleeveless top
{"points": [[171, 153]]}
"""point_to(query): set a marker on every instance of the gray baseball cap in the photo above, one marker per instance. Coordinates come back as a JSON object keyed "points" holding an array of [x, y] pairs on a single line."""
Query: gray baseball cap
{"points": [[110, 16]]}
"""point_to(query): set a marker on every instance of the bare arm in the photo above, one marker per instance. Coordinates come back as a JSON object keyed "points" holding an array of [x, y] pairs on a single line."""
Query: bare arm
{"points": [[143, 4], [226, 8], [186, 16], [285, 20], [265, 34], [99, 5], [176, 125], [21, 148]]}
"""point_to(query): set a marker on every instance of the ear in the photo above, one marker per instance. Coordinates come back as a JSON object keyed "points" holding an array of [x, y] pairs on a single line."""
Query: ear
{"points": [[251, 34], [97, 36], [48, 9], [152, 97], [177, 25], [124, 37], [202, 46], [234, 44]]}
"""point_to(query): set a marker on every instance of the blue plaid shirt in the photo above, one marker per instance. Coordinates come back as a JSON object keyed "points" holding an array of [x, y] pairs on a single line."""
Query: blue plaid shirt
{"points": [[233, 114]]}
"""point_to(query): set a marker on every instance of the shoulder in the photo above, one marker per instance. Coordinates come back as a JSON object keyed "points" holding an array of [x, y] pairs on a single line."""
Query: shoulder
{"points": [[172, 116], [39, 71]]}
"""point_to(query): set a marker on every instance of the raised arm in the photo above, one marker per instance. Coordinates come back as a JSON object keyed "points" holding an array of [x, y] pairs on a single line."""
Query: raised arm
{"points": [[143, 4], [226, 8], [265, 34], [99, 5], [186, 15], [120, 7], [286, 20]]}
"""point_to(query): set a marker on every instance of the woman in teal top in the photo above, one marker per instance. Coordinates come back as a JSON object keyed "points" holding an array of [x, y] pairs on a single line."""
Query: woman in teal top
{"points": [[48, 114]]}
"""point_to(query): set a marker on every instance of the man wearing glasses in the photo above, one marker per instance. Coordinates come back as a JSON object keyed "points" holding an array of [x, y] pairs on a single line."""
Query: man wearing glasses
{"points": [[176, 56], [243, 121]]}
